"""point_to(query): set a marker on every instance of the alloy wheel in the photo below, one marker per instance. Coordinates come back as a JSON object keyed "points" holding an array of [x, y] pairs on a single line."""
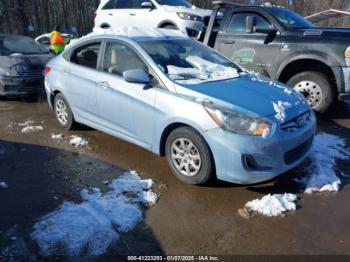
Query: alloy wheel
{"points": [[185, 157], [61, 110]]}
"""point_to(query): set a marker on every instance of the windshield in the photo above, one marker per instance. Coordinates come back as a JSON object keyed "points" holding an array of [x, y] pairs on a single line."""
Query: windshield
{"points": [[174, 3], [290, 19], [11, 45], [187, 61]]}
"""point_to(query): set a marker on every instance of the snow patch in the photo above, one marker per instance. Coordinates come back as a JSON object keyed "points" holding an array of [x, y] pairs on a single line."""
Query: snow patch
{"points": [[280, 109], [273, 205], [325, 150], [27, 123], [3, 185], [203, 71], [93, 225], [78, 141], [57, 136], [32, 129]]}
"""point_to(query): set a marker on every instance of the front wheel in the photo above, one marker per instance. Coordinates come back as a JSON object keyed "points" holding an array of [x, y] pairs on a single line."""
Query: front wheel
{"points": [[316, 88], [189, 156]]}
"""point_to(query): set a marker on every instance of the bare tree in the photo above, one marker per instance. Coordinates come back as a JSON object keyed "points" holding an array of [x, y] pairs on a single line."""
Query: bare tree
{"points": [[20, 16]]}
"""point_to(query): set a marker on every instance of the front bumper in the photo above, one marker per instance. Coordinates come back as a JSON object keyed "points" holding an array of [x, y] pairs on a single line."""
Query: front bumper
{"points": [[275, 155], [21, 86], [193, 29]]}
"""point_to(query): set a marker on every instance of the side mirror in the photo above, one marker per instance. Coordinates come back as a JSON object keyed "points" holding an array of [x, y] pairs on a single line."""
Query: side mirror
{"points": [[136, 76], [147, 5], [250, 24]]}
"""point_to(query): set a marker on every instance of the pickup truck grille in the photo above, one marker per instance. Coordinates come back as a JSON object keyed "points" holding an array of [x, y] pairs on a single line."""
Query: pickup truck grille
{"points": [[31, 74], [296, 153]]}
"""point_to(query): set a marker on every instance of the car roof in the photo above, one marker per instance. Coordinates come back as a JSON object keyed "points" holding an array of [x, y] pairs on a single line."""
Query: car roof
{"points": [[138, 34]]}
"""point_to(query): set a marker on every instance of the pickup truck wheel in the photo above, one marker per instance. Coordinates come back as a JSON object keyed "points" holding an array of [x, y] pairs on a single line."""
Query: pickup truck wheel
{"points": [[63, 112], [315, 87], [189, 156]]}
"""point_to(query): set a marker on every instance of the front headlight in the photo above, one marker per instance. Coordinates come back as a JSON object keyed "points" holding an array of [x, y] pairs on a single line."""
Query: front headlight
{"points": [[238, 123], [347, 56], [188, 16]]}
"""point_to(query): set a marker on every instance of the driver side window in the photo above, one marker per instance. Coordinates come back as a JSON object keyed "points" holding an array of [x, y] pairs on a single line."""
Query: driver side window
{"points": [[238, 22], [119, 58]]}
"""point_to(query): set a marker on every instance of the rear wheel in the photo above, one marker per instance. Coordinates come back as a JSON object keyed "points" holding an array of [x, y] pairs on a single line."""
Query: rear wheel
{"points": [[189, 156], [316, 88], [63, 112]]}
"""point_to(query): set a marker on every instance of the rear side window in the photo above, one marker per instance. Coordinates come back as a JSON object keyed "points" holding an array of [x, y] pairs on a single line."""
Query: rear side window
{"points": [[110, 5], [238, 22], [119, 58], [136, 4], [118, 4], [86, 55]]}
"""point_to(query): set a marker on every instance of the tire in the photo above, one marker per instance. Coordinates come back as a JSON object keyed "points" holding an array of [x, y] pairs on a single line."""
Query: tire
{"points": [[197, 159], [169, 26], [63, 112], [316, 88]]}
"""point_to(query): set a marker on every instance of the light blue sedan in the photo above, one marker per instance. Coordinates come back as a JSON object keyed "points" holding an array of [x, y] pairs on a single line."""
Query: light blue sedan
{"points": [[178, 98]]}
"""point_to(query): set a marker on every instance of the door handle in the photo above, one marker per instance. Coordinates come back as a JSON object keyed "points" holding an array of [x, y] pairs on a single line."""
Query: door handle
{"points": [[67, 71], [110, 14], [133, 14], [105, 84], [228, 42]]}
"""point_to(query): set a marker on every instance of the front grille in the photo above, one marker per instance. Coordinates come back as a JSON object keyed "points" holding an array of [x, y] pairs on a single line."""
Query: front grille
{"points": [[297, 122], [296, 153], [31, 74]]}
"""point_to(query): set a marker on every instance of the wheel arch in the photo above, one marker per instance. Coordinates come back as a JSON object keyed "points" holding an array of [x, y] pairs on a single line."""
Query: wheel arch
{"points": [[316, 63], [53, 94], [167, 22]]}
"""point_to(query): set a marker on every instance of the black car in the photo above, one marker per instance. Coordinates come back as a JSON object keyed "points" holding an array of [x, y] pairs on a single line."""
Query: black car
{"points": [[22, 64]]}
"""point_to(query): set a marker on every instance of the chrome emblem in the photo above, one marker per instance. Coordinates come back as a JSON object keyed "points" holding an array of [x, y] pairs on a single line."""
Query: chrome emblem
{"points": [[301, 121]]}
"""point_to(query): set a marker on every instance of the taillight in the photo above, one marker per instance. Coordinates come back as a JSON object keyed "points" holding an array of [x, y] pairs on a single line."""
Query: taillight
{"points": [[94, 14], [47, 70]]}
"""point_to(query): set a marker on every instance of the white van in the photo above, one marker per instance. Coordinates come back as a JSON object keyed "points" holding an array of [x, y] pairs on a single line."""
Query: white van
{"points": [[171, 14]]}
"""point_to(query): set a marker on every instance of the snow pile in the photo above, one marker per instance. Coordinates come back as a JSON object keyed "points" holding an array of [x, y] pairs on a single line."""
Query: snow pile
{"points": [[32, 129], [325, 150], [273, 205], [29, 127], [3, 185], [203, 71], [78, 141], [57, 136], [93, 225], [280, 109]]}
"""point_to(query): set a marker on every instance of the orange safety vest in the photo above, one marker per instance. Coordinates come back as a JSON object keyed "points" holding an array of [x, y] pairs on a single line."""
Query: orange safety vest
{"points": [[57, 38]]}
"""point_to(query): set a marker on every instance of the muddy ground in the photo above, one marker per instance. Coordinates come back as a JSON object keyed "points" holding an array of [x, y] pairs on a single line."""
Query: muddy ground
{"points": [[41, 173]]}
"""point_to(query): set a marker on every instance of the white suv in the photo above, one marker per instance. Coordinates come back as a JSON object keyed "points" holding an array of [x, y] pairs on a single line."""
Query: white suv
{"points": [[171, 14]]}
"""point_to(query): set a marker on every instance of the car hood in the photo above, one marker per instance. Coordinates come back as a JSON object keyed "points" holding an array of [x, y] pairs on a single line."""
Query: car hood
{"points": [[17, 63], [194, 10], [252, 95]]}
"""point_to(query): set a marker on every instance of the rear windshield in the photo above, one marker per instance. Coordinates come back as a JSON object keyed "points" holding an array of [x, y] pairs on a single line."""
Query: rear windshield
{"points": [[290, 19], [19, 45]]}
